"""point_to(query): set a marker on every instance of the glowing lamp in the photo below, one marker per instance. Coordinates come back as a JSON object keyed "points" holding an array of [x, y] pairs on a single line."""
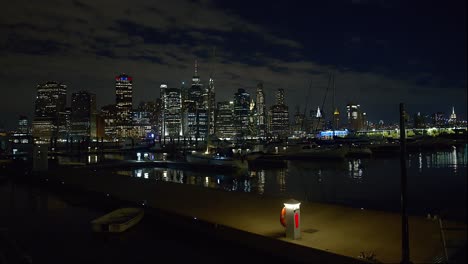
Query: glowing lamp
{"points": [[292, 218], [292, 204]]}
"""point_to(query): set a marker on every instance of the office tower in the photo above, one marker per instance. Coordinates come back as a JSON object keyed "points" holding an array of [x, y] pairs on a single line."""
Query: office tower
{"points": [[83, 115], [279, 116], [109, 115], [261, 112], [64, 124], [224, 120], [241, 112], [124, 104], [171, 100], [23, 125], [51, 99], [336, 119], [196, 112], [355, 117], [211, 106]]}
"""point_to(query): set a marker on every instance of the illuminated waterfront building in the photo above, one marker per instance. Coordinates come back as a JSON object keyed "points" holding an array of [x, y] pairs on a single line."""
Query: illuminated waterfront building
{"points": [[279, 116], [51, 99], [224, 117], [124, 104], [261, 112]]}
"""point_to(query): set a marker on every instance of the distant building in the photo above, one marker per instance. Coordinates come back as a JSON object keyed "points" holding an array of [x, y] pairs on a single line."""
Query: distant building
{"points": [[196, 108], [241, 112], [83, 115], [336, 119], [355, 117], [453, 117], [316, 121], [299, 129], [23, 125], [109, 117], [261, 112], [51, 99], [224, 120], [171, 121], [439, 119], [279, 116], [124, 104]]}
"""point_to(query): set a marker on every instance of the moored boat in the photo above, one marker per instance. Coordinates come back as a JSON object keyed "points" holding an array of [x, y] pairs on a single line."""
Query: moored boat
{"points": [[313, 151], [216, 159], [118, 220]]}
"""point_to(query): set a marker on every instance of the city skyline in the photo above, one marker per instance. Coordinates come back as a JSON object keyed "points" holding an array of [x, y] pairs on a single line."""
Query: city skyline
{"points": [[419, 58]]}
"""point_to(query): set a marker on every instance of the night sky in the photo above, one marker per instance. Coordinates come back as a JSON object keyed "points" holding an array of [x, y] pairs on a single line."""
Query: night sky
{"points": [[382, 52]]}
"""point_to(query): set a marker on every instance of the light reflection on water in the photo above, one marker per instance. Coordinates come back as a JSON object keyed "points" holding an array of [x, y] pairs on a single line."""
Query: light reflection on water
{"points": [[435, 180]]}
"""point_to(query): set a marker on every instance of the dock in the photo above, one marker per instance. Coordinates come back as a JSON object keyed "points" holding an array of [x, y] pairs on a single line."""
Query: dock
{"points": [[330, 233]]}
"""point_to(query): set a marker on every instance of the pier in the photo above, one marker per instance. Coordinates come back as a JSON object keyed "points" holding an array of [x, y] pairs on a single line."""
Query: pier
{"points": [[330, 233]]}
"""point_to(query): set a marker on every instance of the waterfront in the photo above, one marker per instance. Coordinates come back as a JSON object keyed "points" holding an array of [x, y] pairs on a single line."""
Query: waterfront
{"points": [[436, 181], [360, 183]]}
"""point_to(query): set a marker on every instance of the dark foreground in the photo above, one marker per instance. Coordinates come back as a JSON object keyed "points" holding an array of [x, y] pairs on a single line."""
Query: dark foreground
{"points": [[40, 227]]}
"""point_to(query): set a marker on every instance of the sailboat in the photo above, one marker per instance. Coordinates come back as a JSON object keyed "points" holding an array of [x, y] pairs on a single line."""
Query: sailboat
{"points": [[319, 149], [219, 156]]}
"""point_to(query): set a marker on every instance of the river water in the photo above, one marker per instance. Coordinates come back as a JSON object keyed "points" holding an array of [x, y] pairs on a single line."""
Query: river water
{"points": [[436, 180]]}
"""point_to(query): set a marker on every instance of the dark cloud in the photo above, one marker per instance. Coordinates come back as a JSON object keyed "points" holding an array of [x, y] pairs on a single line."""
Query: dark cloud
{"points": [[85, 43]]}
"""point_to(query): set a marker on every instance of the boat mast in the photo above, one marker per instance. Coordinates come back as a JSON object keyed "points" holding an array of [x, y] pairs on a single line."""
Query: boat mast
{"points": [[333, 107]]}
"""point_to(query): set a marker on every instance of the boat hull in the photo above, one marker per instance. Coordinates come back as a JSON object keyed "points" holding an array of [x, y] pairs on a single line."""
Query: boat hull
{"points": [[202, 159], [117, 221]]}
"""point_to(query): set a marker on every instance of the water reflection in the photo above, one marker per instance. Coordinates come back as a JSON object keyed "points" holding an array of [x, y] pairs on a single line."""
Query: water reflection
{"points": [[368, 183], [355, 170], [453, 159]]}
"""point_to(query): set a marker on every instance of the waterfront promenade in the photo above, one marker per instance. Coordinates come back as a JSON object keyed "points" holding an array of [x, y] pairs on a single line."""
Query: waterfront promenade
{"points": [[254, 220]]}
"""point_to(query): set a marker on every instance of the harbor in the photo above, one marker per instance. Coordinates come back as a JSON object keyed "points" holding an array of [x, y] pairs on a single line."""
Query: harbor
{"points": [[349, 208]]}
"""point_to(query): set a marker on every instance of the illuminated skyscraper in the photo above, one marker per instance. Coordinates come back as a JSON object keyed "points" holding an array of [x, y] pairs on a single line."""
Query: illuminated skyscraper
{"points": [[241, 112], [224, 117], [171, 100], [196, 108], [336, 119], [279, 116], [453, 117], [124, 103], [355, 117], [50, 101], [261, 111], [211, 106]]}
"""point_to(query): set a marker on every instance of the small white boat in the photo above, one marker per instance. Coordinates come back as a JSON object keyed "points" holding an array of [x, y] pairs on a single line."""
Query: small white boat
{"points": [[118, 220]]}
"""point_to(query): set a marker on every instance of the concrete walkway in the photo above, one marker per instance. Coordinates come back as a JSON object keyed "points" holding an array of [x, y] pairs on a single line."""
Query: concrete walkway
{"points": [[325, 228]]}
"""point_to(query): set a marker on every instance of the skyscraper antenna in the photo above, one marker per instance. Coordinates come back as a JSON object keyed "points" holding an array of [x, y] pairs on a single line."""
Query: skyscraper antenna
{"points": [[196, 67]]}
